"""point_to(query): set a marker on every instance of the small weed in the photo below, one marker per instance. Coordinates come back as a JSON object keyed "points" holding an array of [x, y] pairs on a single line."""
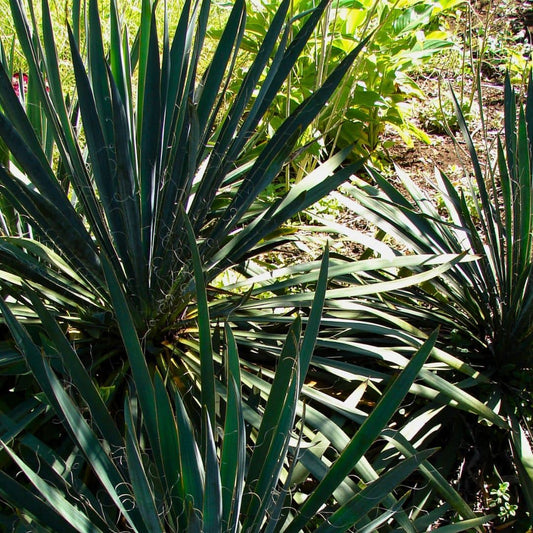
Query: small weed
{"points": [[440, 116], [500, 500]]}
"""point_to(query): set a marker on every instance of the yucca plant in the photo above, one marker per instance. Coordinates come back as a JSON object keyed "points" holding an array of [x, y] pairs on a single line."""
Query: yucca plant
{"points": [[484, 307], [127, 172], [159, 476], [137, 383]]}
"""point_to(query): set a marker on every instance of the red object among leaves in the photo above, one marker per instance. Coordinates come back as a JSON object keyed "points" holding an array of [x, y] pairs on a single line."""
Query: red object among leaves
{"points": [[15, 82]]}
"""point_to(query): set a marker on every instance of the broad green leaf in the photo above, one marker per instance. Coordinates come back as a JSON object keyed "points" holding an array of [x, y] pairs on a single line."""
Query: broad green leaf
{"points": [[169, 445], [212, 509], [207, 381], [139, 368], [142, 489], [313, 324], [192, 473], [233, 453]]}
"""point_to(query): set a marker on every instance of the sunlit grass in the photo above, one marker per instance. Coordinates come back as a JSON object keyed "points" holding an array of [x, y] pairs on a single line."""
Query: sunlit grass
{"points": [[61, 15]]}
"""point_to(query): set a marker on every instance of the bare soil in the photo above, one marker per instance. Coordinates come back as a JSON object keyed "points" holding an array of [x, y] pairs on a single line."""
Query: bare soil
{"points": [[447, 150]]}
